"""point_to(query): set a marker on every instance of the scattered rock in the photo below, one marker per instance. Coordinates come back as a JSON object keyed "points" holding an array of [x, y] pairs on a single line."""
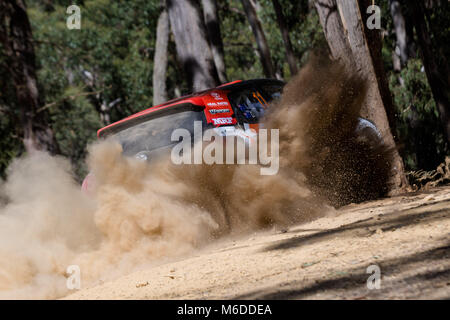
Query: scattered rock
{"points": [[140, 285]]}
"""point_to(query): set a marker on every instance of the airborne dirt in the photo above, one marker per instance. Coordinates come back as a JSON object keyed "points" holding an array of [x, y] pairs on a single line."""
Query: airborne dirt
{"points": [[141, 216], [407, 237]]}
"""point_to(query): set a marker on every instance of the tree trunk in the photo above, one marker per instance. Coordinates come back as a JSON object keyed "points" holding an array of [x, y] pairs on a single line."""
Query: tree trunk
{"points": [[17, 41], [374, 43], [194, 52], [403, 38], [263, 48], [285, 35], [214, 36], [346, 35], [160, 59], [437, 76], [334, 31]]}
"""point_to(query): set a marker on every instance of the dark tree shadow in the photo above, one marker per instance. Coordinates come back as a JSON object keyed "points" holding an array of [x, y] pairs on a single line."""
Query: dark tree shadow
{"points": [[366, 227], [356, 277]]}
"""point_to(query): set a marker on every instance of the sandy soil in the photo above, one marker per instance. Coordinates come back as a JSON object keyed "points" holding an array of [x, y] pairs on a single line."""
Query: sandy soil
{"points": [[407, 236]]}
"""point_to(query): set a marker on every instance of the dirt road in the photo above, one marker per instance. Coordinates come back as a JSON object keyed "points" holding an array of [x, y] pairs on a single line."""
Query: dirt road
{"points": [[407, 237]]}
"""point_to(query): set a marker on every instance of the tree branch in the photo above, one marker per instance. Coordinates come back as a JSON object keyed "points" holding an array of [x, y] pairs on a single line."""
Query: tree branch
{"points": [[72, 97]]}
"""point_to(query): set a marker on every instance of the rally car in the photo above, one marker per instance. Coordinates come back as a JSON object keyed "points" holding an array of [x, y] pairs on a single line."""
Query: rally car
{"points": [[234, 108]]}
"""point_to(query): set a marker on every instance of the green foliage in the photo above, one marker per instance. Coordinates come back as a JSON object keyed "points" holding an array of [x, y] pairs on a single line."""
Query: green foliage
{"points": [[418, 125], [75, 127], [108, 65], [419, 130], [240, 49], [241, 57], [108, 62], [10, 142]]}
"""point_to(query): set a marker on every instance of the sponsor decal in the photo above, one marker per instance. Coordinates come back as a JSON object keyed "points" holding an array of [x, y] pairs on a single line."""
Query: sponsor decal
{"points": [[218, 109], [221, 121], [214, 111], [218, 104], [216, 96]]}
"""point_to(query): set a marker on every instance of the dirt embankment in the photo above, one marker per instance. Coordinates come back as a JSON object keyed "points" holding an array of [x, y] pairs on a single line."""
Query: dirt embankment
{"points": [[407, 237]]}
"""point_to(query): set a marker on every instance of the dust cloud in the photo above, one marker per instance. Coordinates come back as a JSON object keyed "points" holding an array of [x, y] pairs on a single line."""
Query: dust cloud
{"points": [[318, 117], [139, 213]]}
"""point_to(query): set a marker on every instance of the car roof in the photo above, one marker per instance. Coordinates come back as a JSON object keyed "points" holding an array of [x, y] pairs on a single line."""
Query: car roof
{"points": [[194, 99]]}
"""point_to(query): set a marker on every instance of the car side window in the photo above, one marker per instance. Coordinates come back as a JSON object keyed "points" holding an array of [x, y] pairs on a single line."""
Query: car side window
{"points": [[154, 134], [249, 105], [272, 91]]}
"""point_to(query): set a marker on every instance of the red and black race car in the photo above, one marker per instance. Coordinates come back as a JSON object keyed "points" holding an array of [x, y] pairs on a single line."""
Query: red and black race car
{"points": [[233, 108]]}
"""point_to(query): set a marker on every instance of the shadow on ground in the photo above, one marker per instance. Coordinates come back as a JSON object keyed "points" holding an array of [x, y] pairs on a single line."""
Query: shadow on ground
{"points": [[356, 279], [364, 228], [430, 267]]}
